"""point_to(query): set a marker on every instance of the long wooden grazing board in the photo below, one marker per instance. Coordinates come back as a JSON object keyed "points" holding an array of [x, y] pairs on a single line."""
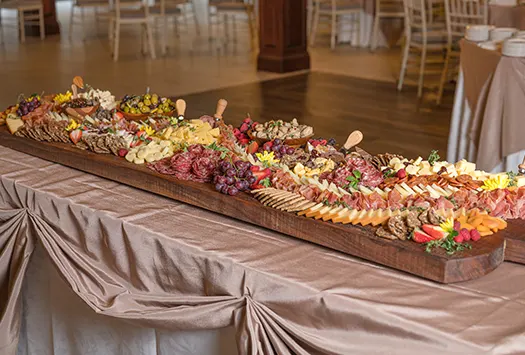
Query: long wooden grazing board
{"points": [[358, 241]]}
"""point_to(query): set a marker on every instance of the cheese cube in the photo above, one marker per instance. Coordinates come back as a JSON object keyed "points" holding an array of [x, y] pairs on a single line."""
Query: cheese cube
{"points": [[399, 166], [520, 181], [412, 169], [394, 161], [418, 161]]}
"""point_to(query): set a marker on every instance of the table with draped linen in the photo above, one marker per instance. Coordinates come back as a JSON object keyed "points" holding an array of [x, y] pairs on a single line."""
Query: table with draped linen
{"points": [[488, 129], [90, 266]]}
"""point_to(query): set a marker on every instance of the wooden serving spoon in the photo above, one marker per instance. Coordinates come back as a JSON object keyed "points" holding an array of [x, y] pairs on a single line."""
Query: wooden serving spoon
{"points": [[353, 139], [521, 167], [180, 106], [221, 106], [78, 83]]}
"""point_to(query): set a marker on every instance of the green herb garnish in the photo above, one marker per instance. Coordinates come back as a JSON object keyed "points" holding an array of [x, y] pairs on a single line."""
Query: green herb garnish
{"points": [[265, 182], [448, 244], [433, 157], [224, 151], [353, 180], [512, 178]]}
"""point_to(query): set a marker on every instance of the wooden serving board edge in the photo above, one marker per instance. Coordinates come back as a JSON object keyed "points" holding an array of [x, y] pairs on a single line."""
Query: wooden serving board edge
{"points": [[357, 241]]}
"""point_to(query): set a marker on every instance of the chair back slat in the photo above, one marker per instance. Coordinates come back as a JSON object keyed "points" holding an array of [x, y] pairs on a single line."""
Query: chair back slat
{"points": [[461, 13]]}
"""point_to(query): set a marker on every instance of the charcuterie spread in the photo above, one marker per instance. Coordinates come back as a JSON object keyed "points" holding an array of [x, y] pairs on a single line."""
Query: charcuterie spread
{"points": [[445, 207]]}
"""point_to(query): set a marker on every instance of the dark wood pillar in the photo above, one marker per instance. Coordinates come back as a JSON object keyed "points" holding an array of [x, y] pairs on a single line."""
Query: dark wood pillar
{"points": [[50, 20], [282, 36]]}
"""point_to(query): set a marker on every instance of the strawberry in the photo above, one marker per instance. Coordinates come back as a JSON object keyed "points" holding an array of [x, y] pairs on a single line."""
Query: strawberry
{"points": [[244, 127], [474, 235], [244, 141], [135, 143], [141, 135], [252, 147], [75, 136], [401, 173], [236, 132], [247, 120], [268, 146], [421, 237], [434, 231], [254, 124], [122, 152], [260, 174]]}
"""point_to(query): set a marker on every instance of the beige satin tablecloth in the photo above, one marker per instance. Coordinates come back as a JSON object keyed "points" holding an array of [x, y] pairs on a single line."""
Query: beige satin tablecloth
{"points": [[507, 16], [154, 262]]}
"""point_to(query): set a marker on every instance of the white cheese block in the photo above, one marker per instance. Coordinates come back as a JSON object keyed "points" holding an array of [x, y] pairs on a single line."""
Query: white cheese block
{"points": [[433, 192], [520, 181], [407, 188], [402, 191]]}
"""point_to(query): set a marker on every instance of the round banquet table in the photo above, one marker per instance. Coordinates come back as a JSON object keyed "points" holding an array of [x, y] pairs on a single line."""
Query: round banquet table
{"points": [[90, 266], [507, 16]]}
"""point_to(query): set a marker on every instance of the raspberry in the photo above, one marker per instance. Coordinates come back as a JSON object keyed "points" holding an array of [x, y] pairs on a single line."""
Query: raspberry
{"points": [[458, 238], [474, 235], [465, 234]]}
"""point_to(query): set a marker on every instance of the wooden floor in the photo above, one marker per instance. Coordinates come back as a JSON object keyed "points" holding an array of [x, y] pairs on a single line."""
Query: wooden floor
{"points": [[336, 105]]}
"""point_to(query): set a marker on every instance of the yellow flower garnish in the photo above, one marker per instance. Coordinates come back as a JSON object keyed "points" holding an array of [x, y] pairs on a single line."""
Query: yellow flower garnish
{"points": [[61, 98], [499, 182], [146, 128], [266, 158], [72, 126], [448, 225]]}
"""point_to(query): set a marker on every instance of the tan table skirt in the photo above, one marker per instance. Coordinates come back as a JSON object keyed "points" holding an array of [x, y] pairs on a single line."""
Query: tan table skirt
{"points": [[507, 16], [154, 262]]}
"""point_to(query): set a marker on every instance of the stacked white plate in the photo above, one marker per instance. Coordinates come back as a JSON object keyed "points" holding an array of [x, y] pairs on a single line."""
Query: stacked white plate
{"points": [[478, 33], [502, 33], [489, 45], [504, 2], [514, 47], [519, 34]]}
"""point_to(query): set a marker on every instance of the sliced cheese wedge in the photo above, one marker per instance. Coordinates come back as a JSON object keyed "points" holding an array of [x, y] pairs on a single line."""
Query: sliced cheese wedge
{"points": [[407, 188], [322, 212], [350, 216], [310, 210], [359, 217], [338, 218], [330, 214], [367, 218]]}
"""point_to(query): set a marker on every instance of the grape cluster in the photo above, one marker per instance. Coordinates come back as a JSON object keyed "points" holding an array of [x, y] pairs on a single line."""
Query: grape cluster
{"points": [[278, 147], [232, 178], [28, 105]]}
